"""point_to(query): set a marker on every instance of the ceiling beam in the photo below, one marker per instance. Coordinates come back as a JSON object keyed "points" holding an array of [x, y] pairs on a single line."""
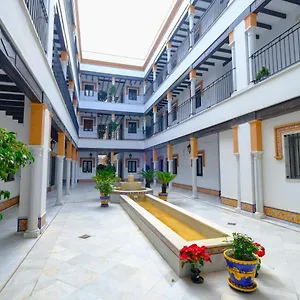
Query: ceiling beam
{"points": [[6, 96], [220, 57], [265, 26], [202, 69], [224, 50], [273, 13], [297, 2], [200, 8], [207, 63]]}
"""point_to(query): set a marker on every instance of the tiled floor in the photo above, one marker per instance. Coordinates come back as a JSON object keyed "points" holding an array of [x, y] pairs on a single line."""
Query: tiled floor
{"points": [[118, 262]]}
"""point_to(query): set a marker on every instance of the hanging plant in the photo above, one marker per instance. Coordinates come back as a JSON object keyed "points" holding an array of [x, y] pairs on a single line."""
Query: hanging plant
{"points": [[112, 126], [112, 91]]}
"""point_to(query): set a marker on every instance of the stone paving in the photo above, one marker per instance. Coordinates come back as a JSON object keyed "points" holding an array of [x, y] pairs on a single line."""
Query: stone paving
{"points": [[118, 262]]}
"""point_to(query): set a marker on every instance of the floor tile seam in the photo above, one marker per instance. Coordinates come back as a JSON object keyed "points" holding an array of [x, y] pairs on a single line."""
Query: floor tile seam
{"points": [[244, 214], [31, 248]]}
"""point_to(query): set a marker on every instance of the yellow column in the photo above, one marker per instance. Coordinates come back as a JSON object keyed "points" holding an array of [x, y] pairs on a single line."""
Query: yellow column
{"points": [[37, 124], [194, 156], [61, 144]]}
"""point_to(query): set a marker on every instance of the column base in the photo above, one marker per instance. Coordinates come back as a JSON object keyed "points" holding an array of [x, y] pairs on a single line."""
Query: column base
{"points": [[194, 196], [32, 234], [58, 203], [238, 210], [259, 215]]}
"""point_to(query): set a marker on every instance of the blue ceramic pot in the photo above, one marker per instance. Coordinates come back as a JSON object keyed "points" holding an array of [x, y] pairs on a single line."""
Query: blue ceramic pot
{"points": [[104, 200], [241, 273]]}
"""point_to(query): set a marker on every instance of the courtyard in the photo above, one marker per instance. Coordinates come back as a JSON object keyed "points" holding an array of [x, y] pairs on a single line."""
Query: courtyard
{"points": [[118, 262]]}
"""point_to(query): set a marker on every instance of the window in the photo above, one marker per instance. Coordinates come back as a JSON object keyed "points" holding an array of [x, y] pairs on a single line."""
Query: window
{"points": [[89, 90], [175, 161], [200, 165], [132, 94], [132, 127], [87, 166], [174, 112], [292, 155], [88, 124], [198, 98], [131, 166]]}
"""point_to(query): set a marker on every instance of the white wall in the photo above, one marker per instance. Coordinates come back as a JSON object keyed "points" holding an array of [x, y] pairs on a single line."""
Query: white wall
{"points": [[246, 164], [279, 192], [210, 178], [228, 170]]}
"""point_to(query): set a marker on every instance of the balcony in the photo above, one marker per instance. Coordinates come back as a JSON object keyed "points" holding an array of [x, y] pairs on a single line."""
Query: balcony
{"points": [[62, 84], [277, 55], [207, 19], [39, 16]]}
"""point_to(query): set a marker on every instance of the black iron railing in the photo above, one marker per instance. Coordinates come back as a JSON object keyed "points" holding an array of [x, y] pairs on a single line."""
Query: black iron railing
{"points": [[39, 16], [149, 93], [277, 55], [201, 27], [61, 81], [208, 18]]}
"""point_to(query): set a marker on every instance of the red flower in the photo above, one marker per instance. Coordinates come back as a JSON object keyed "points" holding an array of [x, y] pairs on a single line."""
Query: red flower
{"points": [[260, 252], [194, 254]]}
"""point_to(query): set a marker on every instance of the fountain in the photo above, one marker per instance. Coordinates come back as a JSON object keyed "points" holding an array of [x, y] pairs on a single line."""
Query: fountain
{"points": [[131, 188]]}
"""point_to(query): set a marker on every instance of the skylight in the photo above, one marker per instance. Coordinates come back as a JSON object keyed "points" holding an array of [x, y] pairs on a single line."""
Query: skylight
{"points": [[121, 31]]}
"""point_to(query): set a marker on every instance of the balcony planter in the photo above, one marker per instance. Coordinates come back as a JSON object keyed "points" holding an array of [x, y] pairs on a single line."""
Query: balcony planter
{"points": [[263, 74]]}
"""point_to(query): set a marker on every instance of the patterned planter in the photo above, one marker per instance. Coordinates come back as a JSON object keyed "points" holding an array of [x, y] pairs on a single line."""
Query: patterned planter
{"points": [[163, 196], [104, 200], [241, 273]]}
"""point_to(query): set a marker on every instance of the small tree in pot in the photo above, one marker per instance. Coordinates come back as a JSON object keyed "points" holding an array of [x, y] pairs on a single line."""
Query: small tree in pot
{"points": [[13, 155], [148, 175], [165, 178], [105, 182]]}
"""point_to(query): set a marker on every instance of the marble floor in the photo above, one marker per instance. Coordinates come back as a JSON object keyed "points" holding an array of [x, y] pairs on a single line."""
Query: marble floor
{"points": [[118, 262]]}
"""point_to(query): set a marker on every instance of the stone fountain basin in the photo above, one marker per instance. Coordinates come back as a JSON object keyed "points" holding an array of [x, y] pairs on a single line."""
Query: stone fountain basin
{"points": [[168, 243], [138, 194]]}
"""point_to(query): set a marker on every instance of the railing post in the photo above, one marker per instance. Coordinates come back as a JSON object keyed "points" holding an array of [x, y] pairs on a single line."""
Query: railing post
{"points": [[145, 126], [169, 98], [250, 28], [154, 68], [64, 62], [144, 87], [169, 47], [191, 24], [154, 119], [232, 46], [193, 91]]}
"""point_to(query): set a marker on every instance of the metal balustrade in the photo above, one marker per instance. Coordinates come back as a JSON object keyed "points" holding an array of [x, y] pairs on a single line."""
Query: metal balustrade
{"points": [[216, 92], [208, 18], [277, 55], [201, 27], [149, 93], [39, 16], [62, 84]]}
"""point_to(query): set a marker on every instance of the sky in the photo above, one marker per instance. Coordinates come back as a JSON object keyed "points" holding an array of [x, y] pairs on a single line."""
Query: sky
{"points": [[121, 31]]}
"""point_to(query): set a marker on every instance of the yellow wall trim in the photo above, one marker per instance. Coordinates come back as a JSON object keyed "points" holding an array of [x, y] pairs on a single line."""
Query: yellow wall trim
{"points": [[235, 137], [229, 201], [9, 203], [37, 123], [170, 152], [281, 214], [250, 20], [278, 133], [256, 135], [199, 189]]}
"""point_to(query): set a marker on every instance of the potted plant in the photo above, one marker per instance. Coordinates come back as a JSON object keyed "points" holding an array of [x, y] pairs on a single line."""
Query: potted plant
{"points": [[243, 262], [112, 92], [262, 74], [148, 175], [195, 256], [165, 178], [102, 96], [105, 182], [13, 155]]}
